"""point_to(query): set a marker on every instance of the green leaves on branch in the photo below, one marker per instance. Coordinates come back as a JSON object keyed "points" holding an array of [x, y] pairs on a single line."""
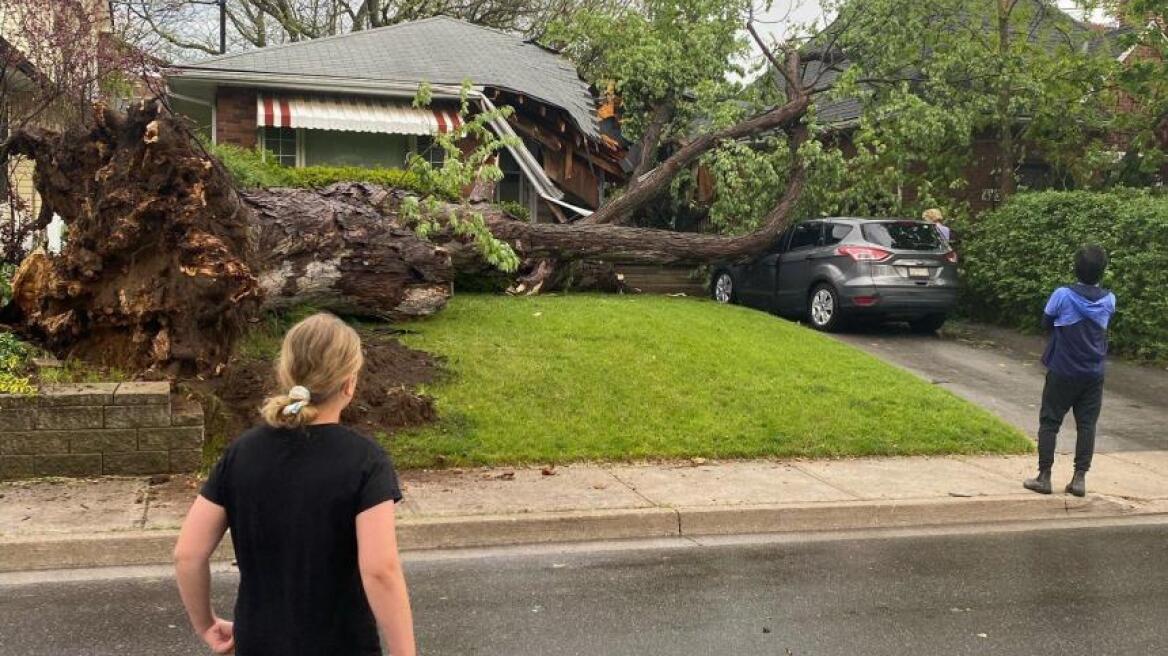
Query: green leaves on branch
{"points": [[971, 67], [653, 53], [470, 158]]}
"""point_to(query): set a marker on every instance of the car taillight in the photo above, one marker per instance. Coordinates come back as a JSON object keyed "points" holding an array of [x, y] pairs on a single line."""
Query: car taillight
{"points": [[864, 253], [951, 257]]}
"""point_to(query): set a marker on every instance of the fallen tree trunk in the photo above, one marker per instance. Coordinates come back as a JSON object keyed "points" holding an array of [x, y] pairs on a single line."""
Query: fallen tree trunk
{"points": [[165, 262], [343, 248]]}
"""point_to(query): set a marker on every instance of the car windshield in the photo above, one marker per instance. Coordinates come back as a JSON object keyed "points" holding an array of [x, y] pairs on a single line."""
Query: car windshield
{"points": [[903, 235]]}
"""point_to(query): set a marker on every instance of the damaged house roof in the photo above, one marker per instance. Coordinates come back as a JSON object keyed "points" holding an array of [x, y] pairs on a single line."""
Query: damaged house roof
{"points": [[438, 50]]}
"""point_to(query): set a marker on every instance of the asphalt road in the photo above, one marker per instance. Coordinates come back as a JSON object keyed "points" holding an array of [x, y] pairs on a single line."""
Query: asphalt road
{"points": [[1001, 371], [1068, 591]]}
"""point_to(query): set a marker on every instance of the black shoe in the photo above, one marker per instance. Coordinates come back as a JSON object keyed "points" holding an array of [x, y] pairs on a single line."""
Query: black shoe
{"points": [[1040, 484], [1078, 484]]}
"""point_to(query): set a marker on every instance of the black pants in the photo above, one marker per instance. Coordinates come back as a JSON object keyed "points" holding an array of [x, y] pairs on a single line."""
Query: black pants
{"points": [[1082, 395]]}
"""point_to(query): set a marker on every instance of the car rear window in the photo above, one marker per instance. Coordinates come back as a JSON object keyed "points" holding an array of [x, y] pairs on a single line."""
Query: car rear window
{"points": [[903, 235]]}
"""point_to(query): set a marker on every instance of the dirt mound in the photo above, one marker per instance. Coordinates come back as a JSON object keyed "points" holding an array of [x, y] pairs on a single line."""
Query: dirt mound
{"points": [[386, 398]]}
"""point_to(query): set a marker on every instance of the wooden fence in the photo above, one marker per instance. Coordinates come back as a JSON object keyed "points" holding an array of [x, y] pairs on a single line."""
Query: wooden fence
{"points": [[657, 279]]}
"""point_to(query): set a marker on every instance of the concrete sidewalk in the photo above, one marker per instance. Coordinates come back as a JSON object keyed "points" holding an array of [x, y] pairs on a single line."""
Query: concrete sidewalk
{"points": [[130, 521]]}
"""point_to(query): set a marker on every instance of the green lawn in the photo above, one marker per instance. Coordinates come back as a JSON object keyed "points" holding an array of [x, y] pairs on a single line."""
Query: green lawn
{"points": [[582, 377]]}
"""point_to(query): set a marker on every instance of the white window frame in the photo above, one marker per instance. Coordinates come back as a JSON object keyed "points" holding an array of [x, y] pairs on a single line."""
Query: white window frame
{"points": [[298, 139]]}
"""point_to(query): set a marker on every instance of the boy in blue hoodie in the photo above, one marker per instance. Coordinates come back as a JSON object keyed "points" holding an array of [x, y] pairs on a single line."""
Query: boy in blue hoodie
{"points": [[1077, 317]]}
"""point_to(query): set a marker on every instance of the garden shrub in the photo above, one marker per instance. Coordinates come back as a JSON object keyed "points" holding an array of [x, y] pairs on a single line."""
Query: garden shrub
{"points": [[250, 170], [7, 270], [14, 356], [1015, 256], [516, 210]]}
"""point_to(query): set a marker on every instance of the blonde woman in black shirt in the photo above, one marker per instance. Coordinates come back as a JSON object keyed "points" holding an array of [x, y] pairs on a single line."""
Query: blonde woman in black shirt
{"points": [[310, 505]]}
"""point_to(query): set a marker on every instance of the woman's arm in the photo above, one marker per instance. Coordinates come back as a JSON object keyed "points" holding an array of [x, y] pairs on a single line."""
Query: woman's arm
{"points": [[201, 532], [382, 576]]}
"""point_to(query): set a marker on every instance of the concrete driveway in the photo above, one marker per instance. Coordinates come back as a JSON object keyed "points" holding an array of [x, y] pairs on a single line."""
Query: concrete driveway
{"points": [[1000, 370]]}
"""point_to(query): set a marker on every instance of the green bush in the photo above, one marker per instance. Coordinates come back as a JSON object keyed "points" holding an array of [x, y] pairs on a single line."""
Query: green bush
{"points": [[1014, 257], [250, 171], [14, 355], [6, 272], [516, 210]]}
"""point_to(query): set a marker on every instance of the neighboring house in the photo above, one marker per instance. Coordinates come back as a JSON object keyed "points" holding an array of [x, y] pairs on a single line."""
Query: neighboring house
{"points": [[20, 80], [346, 100]]}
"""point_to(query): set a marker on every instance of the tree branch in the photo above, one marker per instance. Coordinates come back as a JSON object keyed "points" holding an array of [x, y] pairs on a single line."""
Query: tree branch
{"points": [[786, 116]]}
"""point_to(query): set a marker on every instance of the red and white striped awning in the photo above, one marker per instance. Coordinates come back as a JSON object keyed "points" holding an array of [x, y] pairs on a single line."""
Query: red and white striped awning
{"points": [[352, 114]]}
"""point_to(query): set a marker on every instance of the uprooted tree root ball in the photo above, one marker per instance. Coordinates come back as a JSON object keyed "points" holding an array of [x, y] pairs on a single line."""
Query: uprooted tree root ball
{"points": [[157, 268]]}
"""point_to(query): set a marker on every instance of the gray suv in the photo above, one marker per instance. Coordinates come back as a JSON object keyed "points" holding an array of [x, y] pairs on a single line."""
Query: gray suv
{"points": [[832, 270]]}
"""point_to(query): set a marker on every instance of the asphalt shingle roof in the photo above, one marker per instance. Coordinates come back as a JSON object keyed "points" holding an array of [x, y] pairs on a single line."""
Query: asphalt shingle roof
{"points": [[439, 50]]}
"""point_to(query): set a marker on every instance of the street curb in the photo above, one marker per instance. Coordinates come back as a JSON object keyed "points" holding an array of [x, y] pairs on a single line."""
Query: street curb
{"points": [[534, 528], [908, 513], [423, 533]]}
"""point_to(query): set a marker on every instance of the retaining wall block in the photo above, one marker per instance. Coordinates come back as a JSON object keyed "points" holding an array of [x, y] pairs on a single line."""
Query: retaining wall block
{"points": [[91, 394], [69, 417], [143, 393]]}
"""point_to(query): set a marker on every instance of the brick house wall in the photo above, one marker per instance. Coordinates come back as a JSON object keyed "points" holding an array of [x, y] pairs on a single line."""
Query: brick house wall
{"points": [[235, 116]]}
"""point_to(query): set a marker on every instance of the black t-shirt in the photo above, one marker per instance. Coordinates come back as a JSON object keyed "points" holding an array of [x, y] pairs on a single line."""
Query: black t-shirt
{"points": [[292, 499]]}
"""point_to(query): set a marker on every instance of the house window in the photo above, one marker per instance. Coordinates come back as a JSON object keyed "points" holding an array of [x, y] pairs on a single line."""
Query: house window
{"points": [[511, 186], [280, 145], [431, 151], [363, 149]]}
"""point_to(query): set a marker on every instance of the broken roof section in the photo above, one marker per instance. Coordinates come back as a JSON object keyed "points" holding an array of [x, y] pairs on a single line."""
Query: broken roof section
{"points": [[439, 50]]}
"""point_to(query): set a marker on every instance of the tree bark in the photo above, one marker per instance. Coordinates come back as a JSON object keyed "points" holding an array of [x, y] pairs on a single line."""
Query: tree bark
{"points": [[1006, 155], [345, 249], [651, 141]]}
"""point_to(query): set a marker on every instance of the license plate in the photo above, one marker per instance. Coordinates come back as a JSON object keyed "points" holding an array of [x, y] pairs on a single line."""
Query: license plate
{"points": [[918, 272]]}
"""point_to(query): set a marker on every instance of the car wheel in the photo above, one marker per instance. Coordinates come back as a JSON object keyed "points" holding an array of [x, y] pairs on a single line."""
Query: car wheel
{"points": [[823, 311], [927, 325], [722, 288]]}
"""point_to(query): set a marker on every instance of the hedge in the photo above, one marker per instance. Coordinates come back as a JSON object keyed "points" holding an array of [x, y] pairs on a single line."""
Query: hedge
{"points": [[1014, 257], [250, 170]]}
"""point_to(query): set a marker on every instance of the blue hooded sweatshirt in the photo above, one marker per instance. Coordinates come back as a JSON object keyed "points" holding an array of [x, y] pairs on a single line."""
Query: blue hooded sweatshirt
{"points": [[1077, 317]]}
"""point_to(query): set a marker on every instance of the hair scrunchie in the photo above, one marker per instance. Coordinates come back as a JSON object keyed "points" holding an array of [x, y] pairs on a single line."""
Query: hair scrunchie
{"points": [[300, 397]]}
